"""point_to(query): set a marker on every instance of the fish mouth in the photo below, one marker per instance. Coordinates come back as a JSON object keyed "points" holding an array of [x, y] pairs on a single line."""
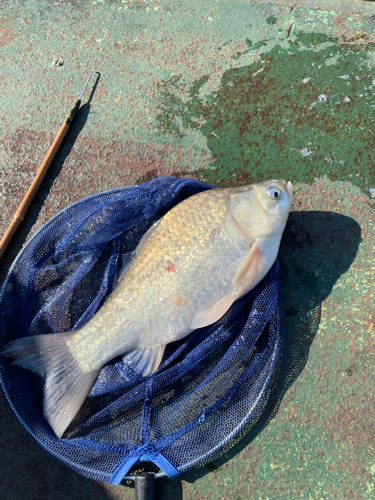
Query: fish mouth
{"points": [[289, 190]]}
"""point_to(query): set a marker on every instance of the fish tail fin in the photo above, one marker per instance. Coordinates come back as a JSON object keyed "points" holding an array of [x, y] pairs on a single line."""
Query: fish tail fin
{"points": [[66, 385]]}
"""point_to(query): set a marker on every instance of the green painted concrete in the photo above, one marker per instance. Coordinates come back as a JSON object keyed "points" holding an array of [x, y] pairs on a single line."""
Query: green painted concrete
{"points": [[230, 92], [304, 107]]}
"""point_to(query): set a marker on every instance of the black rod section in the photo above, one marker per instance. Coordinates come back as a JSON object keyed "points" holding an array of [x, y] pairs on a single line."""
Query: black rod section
{"points": [[144, 486]]}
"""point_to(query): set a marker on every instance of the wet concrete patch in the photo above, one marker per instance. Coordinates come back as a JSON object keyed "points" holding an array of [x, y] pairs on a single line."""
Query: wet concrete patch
{"points": [[306, 109]]}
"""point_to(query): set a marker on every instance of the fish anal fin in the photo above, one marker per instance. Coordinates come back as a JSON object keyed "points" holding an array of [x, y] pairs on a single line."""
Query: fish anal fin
{"points": [[209, 316], [250, 270], [144, 361]]}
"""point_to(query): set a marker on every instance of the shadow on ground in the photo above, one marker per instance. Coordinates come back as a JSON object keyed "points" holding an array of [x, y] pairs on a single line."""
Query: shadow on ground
{"points": [[28, 472], [317, 248]]}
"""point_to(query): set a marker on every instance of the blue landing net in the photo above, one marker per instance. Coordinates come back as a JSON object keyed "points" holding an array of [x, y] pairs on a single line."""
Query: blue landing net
{"points": [[209, 386]]}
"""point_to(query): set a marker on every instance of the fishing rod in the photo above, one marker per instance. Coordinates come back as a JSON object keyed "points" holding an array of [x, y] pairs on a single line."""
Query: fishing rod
{"points": [[29, 196]]}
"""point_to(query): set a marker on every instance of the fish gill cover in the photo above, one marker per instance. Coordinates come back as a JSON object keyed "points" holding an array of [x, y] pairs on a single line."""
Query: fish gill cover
{"points": [[209, 386]]}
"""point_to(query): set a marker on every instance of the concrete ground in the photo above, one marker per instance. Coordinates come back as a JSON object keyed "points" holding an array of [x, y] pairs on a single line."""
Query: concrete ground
{"points": [[230, 92]]}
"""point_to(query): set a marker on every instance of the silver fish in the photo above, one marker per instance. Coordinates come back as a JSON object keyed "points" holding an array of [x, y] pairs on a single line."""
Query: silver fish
{"points": [[189, 268]]}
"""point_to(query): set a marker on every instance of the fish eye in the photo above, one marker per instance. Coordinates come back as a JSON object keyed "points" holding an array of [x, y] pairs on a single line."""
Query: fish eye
{"points": [[273, 192]]}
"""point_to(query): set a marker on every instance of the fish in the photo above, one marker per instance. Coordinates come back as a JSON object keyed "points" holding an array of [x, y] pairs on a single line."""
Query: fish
{"points": [[188, 269]]}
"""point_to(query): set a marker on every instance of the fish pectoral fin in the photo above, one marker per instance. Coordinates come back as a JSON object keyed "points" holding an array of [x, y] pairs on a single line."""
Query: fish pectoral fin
{"points": [[247, 276], [144, 361], [209, 316]]}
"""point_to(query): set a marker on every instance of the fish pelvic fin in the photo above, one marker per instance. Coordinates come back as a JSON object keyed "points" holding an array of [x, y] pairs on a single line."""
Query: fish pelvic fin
{"points": [[66, 385], [144, 361]]}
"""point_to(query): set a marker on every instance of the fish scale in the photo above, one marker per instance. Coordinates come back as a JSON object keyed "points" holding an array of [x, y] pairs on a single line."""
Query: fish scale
{"points": [[184, 237]]}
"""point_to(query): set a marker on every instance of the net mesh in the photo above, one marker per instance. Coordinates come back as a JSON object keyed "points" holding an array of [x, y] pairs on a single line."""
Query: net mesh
{"points": [[209, 385]]}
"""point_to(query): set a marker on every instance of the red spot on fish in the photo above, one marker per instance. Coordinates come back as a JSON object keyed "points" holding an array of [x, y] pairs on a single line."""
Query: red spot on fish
{"points": [[177, 300], [170, 266]]}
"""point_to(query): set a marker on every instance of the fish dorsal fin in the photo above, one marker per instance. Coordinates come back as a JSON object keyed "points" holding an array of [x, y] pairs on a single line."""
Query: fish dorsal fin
{"points": [[249, 271], [209, 316], [147, 235], [144, 361]]}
